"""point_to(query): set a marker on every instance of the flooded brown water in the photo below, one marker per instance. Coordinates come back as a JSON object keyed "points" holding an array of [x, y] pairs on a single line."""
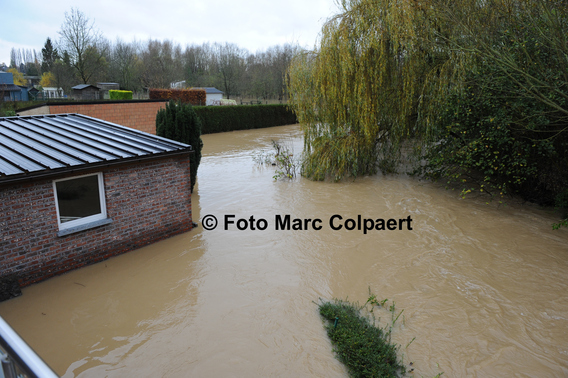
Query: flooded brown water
{"points": [[484, 288]]}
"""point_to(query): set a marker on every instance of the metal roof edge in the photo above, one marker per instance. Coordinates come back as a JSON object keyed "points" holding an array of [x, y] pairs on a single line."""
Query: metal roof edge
{"points": [[126, 128], [27, 177]]}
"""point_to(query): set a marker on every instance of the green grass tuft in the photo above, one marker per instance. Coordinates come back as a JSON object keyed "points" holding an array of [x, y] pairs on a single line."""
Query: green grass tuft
{"points": [[364, 348]]}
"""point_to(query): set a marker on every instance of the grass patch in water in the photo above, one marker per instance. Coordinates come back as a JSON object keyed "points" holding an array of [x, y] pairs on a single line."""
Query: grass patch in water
{"points": [[360, 344]]}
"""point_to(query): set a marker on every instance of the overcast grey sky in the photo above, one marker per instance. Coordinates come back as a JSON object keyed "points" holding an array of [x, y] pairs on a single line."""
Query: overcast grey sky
{"points": [[251, 24]]}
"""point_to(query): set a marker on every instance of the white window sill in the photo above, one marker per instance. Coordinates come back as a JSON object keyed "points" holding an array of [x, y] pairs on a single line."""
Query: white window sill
{"points": [[83, 227]]}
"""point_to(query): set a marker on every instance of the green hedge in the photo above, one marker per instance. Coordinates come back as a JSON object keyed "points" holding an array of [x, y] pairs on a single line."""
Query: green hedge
{"points": [[216, 119], [180, 122], [119, 95]]}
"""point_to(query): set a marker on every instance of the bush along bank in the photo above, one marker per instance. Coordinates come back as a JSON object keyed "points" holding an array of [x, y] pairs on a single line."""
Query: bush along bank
{"points": [[216, 119], [495, 139]]}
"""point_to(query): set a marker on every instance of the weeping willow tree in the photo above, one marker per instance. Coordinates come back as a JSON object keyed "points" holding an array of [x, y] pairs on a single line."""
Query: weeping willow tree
{"points": [[381, 74], [358, 94]]}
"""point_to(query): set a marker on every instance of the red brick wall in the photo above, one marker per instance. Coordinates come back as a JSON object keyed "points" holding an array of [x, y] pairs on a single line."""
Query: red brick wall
{"points": [[147, 202], [137, 115]]}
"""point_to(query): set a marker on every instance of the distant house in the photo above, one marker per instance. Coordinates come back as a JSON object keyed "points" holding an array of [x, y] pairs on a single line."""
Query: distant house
{"points": [[52, 92], [77, 190], [178, 84], [32, 80], [213, 95], [9, 91], [24, 96], [105, 87], [33, 93], [86, 92]]}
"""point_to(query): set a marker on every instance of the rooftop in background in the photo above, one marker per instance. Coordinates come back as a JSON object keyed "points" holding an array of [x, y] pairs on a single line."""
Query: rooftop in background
{"points": [[210, 90], [38, 146], [83, 86], [6, 78], [7, 83], [107, 86]]}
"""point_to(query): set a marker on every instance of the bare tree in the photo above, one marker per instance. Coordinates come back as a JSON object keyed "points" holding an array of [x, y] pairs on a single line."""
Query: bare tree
{"points": [[125, 65], [230, 63], [161, 64], [84, 44], [265, 73], [15, 58], [25, 61], [154, 65]]}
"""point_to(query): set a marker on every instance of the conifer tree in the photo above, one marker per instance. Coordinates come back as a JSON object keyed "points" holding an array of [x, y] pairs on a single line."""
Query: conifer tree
{"points": [[179, 122], [49, 56]]}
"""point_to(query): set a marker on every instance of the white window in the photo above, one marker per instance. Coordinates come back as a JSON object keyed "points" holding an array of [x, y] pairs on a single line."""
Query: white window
{"points": [[80, 201]]}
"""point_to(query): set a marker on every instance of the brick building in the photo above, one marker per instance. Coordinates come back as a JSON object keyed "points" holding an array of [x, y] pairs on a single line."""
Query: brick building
{"points": [[75, 190]]}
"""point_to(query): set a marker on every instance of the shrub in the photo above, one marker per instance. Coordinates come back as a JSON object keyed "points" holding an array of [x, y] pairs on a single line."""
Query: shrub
{"points": [[505, 132], [187, 96], [495, 139], [7, 109], [178, 121], [119, 95]]}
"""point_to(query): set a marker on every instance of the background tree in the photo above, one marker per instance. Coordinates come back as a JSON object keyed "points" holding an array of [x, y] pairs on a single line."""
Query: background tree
{"points": [[198, 65], [13, 58], [125, 65], [92, 58], [230, 67], [49, 56], [47, 80], [25, 61], [63, 73], [179, 122], [278, 60], [84, 44], [161, 64], [18, 77]]}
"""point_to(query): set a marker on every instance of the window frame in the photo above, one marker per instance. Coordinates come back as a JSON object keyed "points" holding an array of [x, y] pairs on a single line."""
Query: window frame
{"points": [[82, 223]]}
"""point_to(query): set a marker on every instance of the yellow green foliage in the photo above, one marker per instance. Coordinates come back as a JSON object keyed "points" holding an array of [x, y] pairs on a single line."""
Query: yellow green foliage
{"points": [[47, 80], [383, 69], [120, 95], [18, 76]]}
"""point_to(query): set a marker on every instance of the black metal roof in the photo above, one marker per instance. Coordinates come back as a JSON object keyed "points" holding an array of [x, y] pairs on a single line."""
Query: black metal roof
{"points": [[45, 145], [9, 88], [210, 90], [83, 86]]}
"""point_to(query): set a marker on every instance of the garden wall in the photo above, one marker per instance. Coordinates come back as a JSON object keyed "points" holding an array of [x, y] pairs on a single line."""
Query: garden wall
{"points": [[140, 115]]}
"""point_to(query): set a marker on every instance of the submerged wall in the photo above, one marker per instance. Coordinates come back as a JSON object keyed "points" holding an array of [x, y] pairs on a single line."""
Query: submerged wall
{"points": [[146, 201]]}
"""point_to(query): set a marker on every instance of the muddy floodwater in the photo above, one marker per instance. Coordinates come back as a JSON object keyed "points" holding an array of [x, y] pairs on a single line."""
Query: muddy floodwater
{"points": [[484, 288]]}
